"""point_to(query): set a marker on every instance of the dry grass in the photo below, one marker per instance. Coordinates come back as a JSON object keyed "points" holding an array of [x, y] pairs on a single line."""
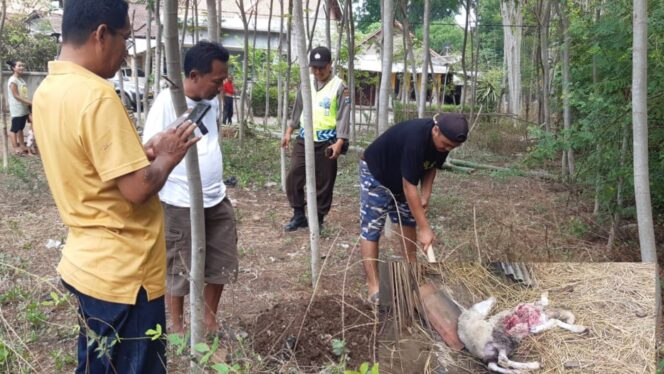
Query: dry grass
{"points": [[616, 301]]}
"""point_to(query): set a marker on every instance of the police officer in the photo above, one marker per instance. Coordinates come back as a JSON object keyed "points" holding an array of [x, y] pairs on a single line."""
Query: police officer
{"points": [[331, 114]]}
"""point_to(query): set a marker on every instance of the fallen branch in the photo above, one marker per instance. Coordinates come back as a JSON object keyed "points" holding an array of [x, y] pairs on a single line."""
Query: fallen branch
{"points": [[474, 165]]}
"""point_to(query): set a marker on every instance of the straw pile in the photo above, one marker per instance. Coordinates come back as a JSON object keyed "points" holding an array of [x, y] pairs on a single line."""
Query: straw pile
{"points": [[616, 301]]}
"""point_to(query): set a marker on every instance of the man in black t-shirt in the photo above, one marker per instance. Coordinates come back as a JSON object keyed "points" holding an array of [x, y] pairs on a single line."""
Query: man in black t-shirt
{"points": [[392, 166]]}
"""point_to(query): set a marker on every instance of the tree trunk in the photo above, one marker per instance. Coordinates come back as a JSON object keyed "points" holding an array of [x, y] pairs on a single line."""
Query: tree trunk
{"points": [[386, 77], [245, 65], [328, 34], [617, 216], [544, 19], [280, 98], [197, 301], [513, 20], [340, 29], [267, 67], [409, 50], [148, 60], [305, 89], [194, 30], [463, 55], [350, 35], [567, 117], [427, 56], [184, 24], [213, 26], [599, 176], [640, 129], [157, 51], [313, 26], [134, 73], [5, 141]]}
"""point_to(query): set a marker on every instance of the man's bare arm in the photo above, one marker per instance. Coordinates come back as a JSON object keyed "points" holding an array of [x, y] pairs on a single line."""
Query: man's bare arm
{"points": [[166, 150]]}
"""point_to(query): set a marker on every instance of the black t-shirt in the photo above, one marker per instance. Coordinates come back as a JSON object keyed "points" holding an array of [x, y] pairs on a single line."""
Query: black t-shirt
{"points": [[405, 150]]}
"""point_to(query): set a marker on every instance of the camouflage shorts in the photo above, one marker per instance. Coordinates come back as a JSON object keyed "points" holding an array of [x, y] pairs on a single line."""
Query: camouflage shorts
{"points": [[376, 201]]}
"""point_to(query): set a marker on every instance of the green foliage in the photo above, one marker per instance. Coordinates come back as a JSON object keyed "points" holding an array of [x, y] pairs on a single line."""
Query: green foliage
{"points": [[56, 299], [370, 12], [253, 165], [19, 44], [404, 112], [364, 369], [488, 89], [447, 32], [60, 359], [339, 347], [258, 100], [34, 315], [4, 353], [155, 333]]}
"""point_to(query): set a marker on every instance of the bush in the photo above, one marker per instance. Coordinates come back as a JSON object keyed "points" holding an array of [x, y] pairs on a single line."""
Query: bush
{"points": [[258, 100], [19, 44], [404, 112]]}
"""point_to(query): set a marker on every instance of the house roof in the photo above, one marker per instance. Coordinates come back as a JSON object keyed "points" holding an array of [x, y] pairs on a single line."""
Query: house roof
{"points": [[369, 59]]}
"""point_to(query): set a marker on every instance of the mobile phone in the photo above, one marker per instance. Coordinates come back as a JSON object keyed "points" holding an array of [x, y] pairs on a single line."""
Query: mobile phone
{"points": [[196, 116], [328, 152]]}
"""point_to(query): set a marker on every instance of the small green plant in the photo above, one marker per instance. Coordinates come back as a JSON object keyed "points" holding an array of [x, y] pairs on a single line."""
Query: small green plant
{"points": [[178, 341], [155, 333], [364, 369], [61, 359], [56, 299], [222, 368], [339, 348], [11, 295], [4, 353], [34, 314], [577, 227]]}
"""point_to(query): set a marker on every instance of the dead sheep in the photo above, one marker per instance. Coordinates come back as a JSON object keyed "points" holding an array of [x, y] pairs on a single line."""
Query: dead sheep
{"points": [[494, 339]]}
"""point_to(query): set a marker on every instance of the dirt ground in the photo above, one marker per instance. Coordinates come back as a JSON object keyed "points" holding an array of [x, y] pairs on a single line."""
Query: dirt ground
{"points": [[488, 215]]}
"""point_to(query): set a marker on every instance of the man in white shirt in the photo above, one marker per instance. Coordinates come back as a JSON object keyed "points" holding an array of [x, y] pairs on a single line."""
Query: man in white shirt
{"points": [[205, 68]]}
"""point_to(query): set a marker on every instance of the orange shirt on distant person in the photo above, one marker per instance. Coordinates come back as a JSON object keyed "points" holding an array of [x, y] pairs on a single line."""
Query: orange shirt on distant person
{"points": [[86, 139]]}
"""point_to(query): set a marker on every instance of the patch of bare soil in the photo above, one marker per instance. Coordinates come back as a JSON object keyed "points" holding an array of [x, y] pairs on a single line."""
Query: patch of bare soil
{"points": [[306, 331]]}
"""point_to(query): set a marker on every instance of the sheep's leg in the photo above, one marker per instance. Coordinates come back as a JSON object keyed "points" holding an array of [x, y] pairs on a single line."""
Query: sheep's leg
{"points": [[484, 307], [507, 363], [548, 325], [492, 366], [561, 314]]}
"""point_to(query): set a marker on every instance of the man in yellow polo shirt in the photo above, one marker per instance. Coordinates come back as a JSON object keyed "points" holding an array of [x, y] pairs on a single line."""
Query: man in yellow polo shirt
{"points": [[104, 183]]}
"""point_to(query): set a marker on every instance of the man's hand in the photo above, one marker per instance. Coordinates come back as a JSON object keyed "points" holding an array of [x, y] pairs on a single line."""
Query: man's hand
{"points": [[164, 150], [285, 141], [172, 144], [425, 237], [336, 149], [425, 203]]}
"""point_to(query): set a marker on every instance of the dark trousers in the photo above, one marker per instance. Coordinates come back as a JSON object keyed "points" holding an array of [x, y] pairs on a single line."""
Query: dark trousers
{"points": [[228, 110], [326, 175], [103, 322]]}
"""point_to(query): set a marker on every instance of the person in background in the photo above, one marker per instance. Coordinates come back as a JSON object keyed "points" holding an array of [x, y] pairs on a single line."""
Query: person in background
{"points": [[229, 91], [403, 157], [205, 67], [105, 183], [19, 106], [331, 118]]}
